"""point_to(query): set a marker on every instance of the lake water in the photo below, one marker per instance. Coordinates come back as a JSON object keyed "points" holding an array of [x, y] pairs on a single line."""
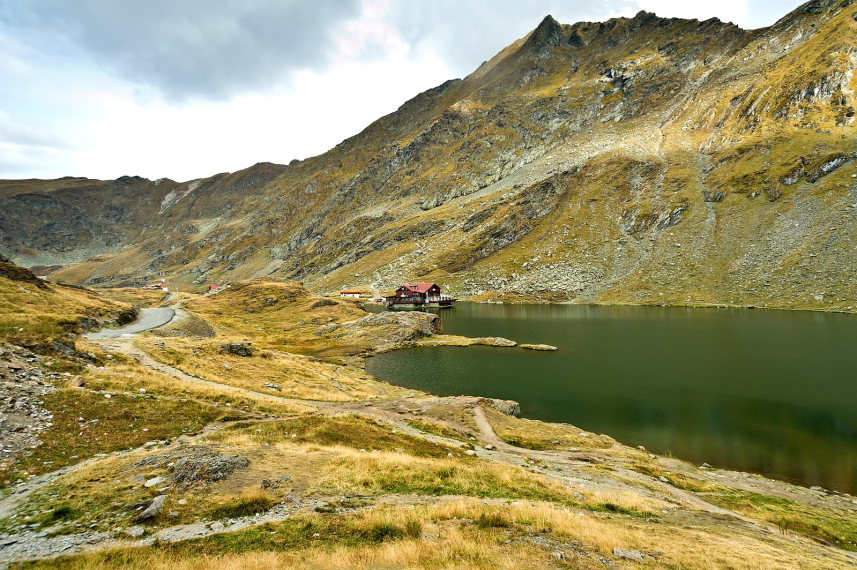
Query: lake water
{"points": [[771, 392]]}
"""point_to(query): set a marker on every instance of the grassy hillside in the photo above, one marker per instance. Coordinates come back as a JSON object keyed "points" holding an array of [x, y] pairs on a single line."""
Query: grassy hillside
{"points": [[37, 314], [264, 455]]}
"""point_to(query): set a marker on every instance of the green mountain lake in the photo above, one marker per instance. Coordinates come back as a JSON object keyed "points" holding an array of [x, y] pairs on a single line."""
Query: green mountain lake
{"points": [[772, 392]]}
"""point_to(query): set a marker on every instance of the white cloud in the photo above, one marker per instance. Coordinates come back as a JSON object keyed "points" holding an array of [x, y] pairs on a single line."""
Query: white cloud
{"points": [[319, 109], [67, 112]]}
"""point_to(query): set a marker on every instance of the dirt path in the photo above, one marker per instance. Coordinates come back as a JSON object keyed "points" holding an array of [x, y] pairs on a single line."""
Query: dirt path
{"points": [[555, 464], [126, 347]]}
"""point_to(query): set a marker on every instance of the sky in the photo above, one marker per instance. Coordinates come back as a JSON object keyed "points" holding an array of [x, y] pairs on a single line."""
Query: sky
{"points": [[184, 89]]}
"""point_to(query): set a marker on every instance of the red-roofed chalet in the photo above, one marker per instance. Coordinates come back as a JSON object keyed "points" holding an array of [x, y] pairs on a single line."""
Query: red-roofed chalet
{"points": [[419, 295]]}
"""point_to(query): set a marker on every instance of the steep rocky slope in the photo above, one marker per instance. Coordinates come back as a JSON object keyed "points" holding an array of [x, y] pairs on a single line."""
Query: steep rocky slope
{"points": [[635, 160]]}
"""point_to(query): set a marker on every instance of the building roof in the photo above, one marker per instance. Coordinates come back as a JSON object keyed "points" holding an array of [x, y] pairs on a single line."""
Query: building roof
{"points": [[421, 287]]}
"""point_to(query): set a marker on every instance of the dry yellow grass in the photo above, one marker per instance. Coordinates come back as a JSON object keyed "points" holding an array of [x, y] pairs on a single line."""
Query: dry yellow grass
{"points": [[33, 316], [292, 375], [134, 296], [124, 374], [472, 534], [532, 434], [277, 315]]}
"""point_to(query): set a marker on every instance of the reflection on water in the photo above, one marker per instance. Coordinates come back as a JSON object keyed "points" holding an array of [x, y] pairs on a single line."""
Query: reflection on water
{"points": [[766, 391]]}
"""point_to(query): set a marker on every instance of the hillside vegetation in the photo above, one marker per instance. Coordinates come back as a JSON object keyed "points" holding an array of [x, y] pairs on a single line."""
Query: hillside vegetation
{"points": [[48, 316], [641, 160]]}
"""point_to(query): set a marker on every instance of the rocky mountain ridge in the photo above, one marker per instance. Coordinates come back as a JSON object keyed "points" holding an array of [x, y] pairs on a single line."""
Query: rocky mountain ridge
{"points": [[642, 160]]}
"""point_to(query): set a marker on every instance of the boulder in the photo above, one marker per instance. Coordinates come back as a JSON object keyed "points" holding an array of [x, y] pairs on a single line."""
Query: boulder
{"points": [[155, 508]]}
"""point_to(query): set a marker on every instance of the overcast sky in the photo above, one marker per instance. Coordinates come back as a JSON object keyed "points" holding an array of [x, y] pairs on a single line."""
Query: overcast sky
{"points": [[189, 88]]}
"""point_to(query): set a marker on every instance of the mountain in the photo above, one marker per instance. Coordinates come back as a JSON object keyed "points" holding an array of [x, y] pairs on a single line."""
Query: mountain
{"points": [[637, 160]]}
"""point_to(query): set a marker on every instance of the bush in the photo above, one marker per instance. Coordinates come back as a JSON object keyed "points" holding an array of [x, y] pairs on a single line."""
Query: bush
{"points": [[493, 520], [382, 531]]}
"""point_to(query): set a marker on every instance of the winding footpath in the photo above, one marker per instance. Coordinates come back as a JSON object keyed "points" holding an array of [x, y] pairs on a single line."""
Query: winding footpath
{"points": [[558, 465]]}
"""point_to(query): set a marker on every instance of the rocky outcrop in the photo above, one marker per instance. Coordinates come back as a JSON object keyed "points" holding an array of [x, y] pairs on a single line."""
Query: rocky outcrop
{"points": [[385, 331], [23, 386], [243, 348], [508, 407], [452, 340], [190, 465]]}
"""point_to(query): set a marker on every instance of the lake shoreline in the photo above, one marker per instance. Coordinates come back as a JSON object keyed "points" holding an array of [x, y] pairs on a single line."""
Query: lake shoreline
{"points": [[630, 435]]}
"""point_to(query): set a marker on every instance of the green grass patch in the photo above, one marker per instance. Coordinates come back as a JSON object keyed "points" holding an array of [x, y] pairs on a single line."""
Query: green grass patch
{"points": [[825, 525], [348, 431], [678, 480], [492, 520], [437, 429], [108, 424], [296, 533], [519, 441], [244, 507]]}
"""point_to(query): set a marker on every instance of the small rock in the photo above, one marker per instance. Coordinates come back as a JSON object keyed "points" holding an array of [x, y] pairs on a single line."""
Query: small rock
{"points": [[153, 481], [663, 479], [625, 554], [489, 447], [559, 555], [470, 452], [540, 347], [705, 466], [135, 531]]}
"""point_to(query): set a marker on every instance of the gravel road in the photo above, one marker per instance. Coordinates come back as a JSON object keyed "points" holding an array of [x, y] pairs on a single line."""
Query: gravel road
{"points": [[149, 319]]}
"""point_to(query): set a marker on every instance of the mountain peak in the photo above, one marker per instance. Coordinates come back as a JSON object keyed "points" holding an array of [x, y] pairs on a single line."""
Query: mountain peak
{"points": [[547, 34]]}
